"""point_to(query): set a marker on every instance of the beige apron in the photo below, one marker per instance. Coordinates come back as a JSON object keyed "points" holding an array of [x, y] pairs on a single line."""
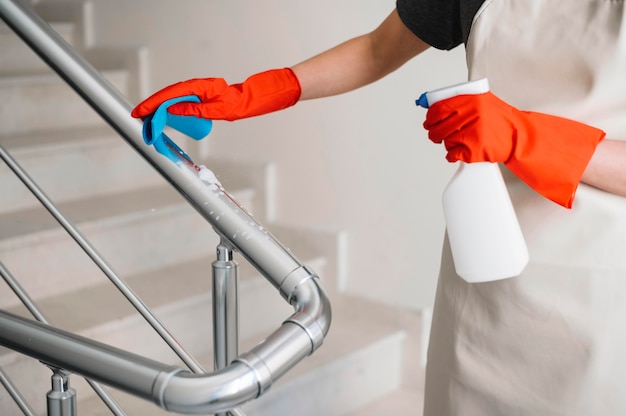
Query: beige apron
{"points": [[552, 341]]}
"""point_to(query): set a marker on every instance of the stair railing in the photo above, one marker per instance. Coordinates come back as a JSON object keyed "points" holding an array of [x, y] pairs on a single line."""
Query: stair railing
{"points": [[239, 378], [14, 392]]}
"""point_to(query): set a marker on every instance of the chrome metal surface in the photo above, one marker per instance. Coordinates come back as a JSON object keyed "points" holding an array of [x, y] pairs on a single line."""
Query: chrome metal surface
{"points": [[80, 355], [27, 301], [61, 399], [225, 308], [174, 389]]}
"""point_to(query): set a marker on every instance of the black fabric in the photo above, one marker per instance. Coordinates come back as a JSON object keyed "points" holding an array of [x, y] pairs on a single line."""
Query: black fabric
{"points": [[443, 24]]}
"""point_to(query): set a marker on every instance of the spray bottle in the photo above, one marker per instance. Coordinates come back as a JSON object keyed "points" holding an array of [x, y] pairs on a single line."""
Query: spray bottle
{"points": [[485, 237]]}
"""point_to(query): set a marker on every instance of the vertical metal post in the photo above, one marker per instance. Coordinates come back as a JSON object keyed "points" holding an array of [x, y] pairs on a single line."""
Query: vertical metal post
{"points": [[225, 309], [62, 398]]}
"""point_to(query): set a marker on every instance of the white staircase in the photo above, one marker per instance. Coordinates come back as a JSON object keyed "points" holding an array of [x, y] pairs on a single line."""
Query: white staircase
{"points": [[370, 361]]}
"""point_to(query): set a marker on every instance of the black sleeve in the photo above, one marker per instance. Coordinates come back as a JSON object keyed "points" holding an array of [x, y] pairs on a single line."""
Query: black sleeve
{"points": [[443, 24]]}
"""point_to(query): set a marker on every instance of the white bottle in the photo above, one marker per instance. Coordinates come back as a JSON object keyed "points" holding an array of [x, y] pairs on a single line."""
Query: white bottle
{"points": [[485, 237]]}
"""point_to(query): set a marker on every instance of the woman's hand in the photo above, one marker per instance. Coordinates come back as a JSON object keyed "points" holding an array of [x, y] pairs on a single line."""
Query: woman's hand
{"points": [[259, 94], [547, 152]]}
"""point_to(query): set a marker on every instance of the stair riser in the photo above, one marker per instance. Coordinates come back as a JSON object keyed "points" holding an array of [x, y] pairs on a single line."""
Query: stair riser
{"points": [[51, 263], [338, 387], [66, 173], [41, 96]]}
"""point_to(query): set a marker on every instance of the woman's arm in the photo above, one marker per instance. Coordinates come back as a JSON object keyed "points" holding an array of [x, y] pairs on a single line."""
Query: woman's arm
{"points": [[359, 61], [607, 167], [343, 68]]}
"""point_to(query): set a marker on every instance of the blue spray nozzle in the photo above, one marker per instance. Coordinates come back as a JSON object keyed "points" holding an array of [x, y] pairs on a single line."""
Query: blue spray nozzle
{"points": [[195, 127], [422, 101]]}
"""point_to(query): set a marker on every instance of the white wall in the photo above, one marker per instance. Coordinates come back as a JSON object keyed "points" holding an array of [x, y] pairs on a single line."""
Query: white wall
{"points": [[358, 162]]}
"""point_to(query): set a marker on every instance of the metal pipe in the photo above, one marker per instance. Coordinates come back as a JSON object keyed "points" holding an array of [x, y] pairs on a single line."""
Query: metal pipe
{"points": [[61, 399], [225, 308], [174, 389], [297, 338], [80, 355], [32, 307]]}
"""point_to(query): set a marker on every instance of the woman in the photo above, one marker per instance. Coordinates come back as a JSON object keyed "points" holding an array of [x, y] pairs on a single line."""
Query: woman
{"points": [[551, 341]]}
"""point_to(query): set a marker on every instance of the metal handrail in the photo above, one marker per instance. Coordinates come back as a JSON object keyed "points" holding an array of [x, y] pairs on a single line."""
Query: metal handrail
{"points": [[27, 301], [250, 374]]}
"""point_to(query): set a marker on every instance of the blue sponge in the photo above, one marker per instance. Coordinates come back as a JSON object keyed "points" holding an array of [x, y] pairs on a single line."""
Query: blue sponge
{"points": [[195, 127]]}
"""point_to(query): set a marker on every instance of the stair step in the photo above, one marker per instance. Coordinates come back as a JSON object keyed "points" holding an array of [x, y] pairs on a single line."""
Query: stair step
{"points": [[72, 163], [403, 401], [20, 58], [132, 230], [42, 94]]}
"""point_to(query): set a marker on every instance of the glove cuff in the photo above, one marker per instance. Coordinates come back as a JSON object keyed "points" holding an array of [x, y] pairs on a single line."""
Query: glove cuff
{"points": [[554, 165], [266, 92]]}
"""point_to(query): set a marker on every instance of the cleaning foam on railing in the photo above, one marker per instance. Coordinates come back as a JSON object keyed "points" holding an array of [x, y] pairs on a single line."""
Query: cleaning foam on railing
{"points": [[206, 175], [485, 237]]}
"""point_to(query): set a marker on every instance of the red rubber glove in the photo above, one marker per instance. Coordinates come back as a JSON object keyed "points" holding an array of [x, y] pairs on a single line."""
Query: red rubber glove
{"points": [[260, 94], [549, 153]]}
